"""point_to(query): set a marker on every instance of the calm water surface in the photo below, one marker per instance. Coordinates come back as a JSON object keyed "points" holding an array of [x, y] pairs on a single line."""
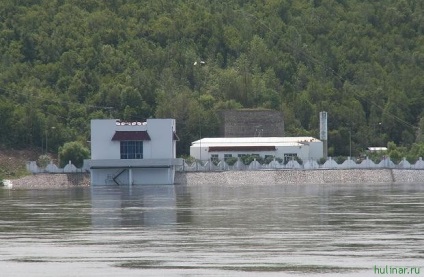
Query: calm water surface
{"points": [[265, 230]]}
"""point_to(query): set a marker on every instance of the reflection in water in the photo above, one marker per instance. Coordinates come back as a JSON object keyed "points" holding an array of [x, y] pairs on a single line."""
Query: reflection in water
{"points": [[337, 230], [128, 206]]}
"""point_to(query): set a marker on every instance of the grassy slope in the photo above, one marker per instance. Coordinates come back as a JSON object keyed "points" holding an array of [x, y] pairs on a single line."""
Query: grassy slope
{"points": [[13, 162]]}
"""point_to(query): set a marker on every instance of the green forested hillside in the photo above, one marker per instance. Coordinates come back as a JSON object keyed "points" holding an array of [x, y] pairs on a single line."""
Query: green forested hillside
{"points": [[64, 62]]}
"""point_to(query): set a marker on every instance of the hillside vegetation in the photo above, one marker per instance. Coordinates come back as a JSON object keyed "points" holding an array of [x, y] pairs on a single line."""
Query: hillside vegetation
{"points": [[64, 62]]}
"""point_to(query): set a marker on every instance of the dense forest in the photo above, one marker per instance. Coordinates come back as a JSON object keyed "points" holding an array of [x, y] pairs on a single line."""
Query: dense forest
{"points": [[64, 62]]}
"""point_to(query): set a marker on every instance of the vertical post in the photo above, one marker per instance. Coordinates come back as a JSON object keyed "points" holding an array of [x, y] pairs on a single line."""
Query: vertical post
{"points": [[130, 177], [201, 63], [170, 175], [323, 134], [200, 131]]}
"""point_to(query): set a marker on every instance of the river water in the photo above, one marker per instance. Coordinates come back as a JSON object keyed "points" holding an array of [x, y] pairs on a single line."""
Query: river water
{"points": [[258, 230]]}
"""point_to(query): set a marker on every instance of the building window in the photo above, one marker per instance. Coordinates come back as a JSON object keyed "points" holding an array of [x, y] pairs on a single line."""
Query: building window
{"points": [[214, 157], [289, 156], [241, 155], [132, 149], [227, 156]]}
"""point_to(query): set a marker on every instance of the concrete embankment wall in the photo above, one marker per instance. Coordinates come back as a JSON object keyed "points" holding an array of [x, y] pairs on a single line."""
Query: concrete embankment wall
{"points": [[258, 177], [46, 181], [327, 176]]}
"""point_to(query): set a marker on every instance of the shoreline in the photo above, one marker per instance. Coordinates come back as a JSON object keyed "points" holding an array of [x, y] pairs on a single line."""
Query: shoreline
{"points": [[52, 181], [240, 178]]}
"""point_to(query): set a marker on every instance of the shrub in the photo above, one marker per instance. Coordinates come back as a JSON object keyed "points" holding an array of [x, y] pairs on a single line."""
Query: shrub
{"points": [[259, 159], [395, 156], [74, 152], [247, 159], [269, 159], [411, 158], [43, 161], [231, 161], [376, 159], [322, 161], [2, 173], [340, 159], [189, 159]]}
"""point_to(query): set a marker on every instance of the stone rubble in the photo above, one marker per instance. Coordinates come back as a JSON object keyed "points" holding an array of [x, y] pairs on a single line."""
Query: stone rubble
{"points": [[48, 181]]}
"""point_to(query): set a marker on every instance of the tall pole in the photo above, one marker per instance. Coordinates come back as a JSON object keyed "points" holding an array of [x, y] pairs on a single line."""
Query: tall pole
{"points": [[46, 142], [202, 63], [350, 144], [200, 133]]}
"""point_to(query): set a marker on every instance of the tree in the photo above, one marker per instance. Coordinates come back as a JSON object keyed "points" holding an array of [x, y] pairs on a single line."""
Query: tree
{"points": [[6, 114], [420, 130], [73, 151], [64, 60]]}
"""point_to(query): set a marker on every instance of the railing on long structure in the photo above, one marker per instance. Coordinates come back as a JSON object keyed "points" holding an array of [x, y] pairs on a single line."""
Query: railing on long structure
{"points": [[293, 164], [52, 168], [184, 166]]}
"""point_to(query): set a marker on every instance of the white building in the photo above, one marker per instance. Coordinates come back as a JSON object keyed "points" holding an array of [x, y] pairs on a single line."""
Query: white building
{"points": [[133, 152], [285, 148]]}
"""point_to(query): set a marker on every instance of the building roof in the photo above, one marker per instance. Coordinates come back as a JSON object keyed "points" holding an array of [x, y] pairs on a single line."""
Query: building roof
{"points": [[131, 135], [136, 135], [257, 141]]}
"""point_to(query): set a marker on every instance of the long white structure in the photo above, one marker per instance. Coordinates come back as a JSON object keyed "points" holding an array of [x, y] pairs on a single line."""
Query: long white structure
{"points": [[130, 153], [306, 148]]}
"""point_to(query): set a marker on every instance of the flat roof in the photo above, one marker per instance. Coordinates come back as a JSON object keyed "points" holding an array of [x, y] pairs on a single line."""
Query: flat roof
{"points": [[257, 141]]}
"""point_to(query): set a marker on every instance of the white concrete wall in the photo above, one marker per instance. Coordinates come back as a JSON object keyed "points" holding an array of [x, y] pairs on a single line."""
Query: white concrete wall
{"points": [[153, 176], [316, 150], [139, 176], [302, 151], [103, 176], [311, 149], [195, 152], [161, 145], [220, 154], [102, 146]]}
